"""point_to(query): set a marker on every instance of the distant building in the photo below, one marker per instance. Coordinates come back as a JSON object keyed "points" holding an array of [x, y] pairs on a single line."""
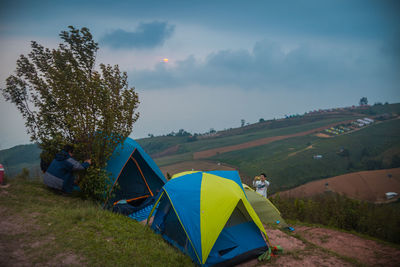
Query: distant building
{"points": [[390, 195]]}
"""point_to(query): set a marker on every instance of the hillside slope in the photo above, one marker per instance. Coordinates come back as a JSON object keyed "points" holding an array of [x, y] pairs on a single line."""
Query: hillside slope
{"points": [[292, 162], [41, 228], [18, 157]]}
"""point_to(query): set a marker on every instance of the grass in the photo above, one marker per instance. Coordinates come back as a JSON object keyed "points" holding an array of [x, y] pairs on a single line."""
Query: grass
{"points": [[61, 226]]}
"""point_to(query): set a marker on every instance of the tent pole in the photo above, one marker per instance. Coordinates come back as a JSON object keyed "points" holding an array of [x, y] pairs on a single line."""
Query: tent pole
{"points": [[144, 179]]}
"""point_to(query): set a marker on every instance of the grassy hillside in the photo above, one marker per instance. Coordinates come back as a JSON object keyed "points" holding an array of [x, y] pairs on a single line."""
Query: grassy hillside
{"points": [[241, 135], [41, 228], [290, 162], [186, 150], [259, 130]]}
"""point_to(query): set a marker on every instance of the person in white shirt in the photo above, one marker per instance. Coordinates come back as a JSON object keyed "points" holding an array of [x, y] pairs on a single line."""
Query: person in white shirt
{"points": [[261, 185]]}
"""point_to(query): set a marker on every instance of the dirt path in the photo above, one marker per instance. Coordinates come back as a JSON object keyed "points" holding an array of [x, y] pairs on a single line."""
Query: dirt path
{"points": [[365, 251], [259, 142], [302, 150]]}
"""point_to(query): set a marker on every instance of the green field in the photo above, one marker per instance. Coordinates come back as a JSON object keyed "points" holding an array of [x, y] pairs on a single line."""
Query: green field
{"points": [[374, 147], [284, 127]]}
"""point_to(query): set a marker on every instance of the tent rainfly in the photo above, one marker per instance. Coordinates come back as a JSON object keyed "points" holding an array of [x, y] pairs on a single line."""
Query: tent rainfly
{"points": [[137, 174], [264, 208], [208, 217]]}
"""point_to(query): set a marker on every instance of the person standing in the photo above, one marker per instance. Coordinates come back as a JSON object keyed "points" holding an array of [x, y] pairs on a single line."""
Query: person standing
{"points": [[59, 175], [261, 185]]}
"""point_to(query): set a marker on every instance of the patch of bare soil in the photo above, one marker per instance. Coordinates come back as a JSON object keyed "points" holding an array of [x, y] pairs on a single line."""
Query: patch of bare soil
{"points": [[18, 248], [65, 259], [366, 185], [326, 247], [296, 253], [259, 142], [363, 250], [322, 135], [12, 247]]}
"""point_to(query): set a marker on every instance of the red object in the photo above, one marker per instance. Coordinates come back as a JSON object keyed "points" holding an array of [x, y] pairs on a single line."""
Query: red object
{"points": [[1, 174]]}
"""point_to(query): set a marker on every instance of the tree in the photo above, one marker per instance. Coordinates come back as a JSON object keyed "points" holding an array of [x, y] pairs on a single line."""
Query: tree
{"points": [[363, 101], [182, 132], [65, 100]]}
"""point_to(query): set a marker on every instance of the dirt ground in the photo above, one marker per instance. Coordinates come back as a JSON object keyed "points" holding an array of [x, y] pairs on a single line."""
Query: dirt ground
{"points": [[259, 142], [366, 251], [309, 246], [16, 244], [366, 185], [322, 135]]}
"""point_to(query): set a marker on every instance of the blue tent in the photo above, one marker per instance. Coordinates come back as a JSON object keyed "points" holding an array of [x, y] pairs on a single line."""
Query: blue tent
{"points": [[137, 174], [208, 217]]}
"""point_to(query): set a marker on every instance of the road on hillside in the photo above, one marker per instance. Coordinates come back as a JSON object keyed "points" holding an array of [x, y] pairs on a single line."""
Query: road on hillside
{"points": [[212, 152]]}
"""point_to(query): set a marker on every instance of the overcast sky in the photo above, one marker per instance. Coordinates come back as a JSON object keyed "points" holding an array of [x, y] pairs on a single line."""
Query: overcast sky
{"points": [[227, 60]]}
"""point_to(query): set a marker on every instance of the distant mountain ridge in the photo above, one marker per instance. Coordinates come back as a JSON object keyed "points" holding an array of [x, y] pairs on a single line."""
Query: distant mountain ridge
{"points": [[21, 156]]}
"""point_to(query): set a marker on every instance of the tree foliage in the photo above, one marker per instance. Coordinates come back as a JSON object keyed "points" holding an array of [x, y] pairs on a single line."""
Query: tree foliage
{"points": [[363, 101], [65, 98]]}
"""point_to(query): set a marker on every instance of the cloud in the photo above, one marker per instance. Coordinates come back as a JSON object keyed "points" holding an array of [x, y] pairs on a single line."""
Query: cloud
{"points": [[146, 35], [269, 65]]}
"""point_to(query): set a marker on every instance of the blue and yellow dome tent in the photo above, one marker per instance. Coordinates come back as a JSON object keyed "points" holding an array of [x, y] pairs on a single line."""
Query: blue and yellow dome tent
{"points": [[207, 216], [137, 174]]}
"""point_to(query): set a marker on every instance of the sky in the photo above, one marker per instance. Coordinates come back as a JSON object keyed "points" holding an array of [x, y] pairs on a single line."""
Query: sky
{"points": [[227, 60]]}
